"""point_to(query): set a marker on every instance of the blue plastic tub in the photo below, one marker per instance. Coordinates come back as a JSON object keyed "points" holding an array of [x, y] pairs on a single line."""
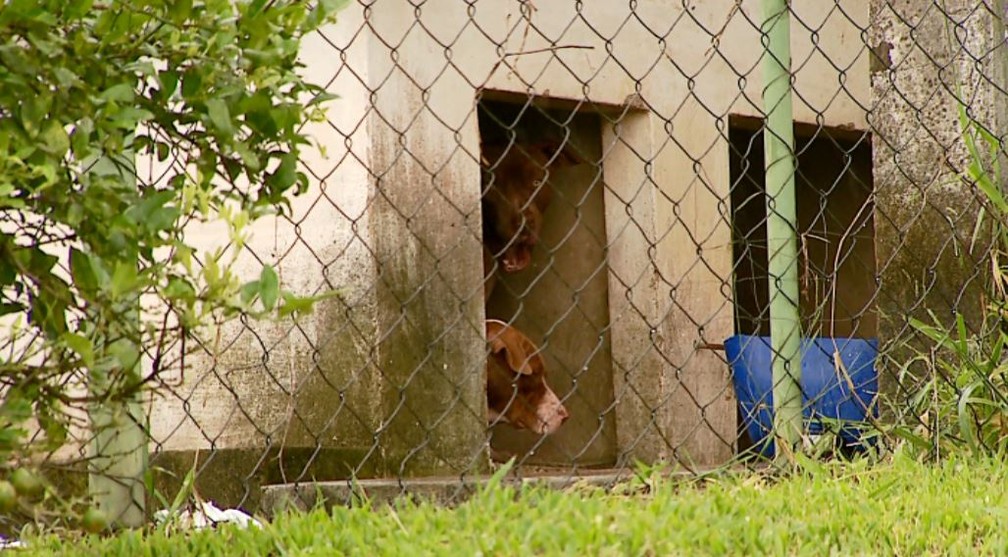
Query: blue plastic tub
{"points": [[826, 393]]}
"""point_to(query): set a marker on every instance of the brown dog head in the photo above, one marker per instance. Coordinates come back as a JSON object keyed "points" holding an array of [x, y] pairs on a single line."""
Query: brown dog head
{"points": [[516, 196], [517, 392]]}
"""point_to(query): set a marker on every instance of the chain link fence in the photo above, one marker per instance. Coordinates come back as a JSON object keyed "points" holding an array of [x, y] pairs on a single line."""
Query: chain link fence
{"points": [[548, 226]]}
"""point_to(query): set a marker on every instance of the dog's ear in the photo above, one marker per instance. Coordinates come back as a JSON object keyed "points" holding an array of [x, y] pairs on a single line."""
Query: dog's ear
{"points": [[564, 152], [521, 355], [531, 363]]}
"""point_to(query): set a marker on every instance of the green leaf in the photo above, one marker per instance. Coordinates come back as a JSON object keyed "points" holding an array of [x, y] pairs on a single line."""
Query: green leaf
{"points": [[7, 308], [163, 219], [183, 256], [211, 270], [120, 92], [116, 28], [153, 213], [33, 112], [54, 138], [125, 354], [65, 77], [978, 174], [261, 120], [8, 272], [181, 10], [249, 291], [9, 197], [169, 83], [269, 287], [254, 7], [188, 485], [220, 116], [163, 151], [16, 407], [40, 262], [324, 12], [192, 84], [82, 346], [287, 116], [53, 425], [48, 312], [82, 269], [323, 97], [74, 9], [179, 289], [296, 305], [80, 139], [248, 156], [260, 102], [232, 168], [124, 278], [284, 177], [128, 117]]}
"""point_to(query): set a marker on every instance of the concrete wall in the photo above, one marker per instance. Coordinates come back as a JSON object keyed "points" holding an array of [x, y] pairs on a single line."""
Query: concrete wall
{"points": [[927, 56], [395, 369]]}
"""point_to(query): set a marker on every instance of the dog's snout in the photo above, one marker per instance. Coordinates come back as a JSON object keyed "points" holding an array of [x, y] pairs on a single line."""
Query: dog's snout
{"points": [[516, 259]]}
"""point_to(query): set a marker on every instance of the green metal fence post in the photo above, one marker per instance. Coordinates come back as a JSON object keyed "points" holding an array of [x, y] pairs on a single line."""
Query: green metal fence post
{"points": [[782, 243], [118, 456]]}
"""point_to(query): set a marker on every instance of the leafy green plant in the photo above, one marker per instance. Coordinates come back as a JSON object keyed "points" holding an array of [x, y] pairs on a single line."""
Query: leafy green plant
{"points": [[964, 400], [122, 123], [962, 397]]}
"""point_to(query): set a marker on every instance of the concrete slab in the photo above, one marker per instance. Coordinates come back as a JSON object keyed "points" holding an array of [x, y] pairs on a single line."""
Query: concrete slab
{"points": [[442, 490]]}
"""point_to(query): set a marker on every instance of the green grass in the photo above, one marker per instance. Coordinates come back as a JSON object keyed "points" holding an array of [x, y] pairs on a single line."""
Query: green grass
{"points": [[958, 507]]}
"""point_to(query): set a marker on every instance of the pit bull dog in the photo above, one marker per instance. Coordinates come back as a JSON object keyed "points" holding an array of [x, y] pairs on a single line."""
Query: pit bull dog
{"points": [[517, 393], [515, 197]]}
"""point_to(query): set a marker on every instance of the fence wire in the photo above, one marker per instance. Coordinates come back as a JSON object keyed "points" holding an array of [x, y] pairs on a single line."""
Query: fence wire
{"points": [[547, 225]]}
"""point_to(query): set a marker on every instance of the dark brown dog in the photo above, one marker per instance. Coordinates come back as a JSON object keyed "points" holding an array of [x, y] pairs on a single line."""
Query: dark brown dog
{"points": [[517, 392], [516, 195]]}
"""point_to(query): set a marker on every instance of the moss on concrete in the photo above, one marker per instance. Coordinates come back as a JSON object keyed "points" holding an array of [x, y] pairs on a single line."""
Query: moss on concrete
{"points": [[234, 477]]}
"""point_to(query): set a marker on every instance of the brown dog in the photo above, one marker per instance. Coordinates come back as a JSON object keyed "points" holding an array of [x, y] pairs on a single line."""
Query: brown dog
{"points": [[515, 198], [517, 392]]}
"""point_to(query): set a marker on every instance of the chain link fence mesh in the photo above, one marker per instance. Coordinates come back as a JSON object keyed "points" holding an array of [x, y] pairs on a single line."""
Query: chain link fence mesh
{"points": [[591, 175]]}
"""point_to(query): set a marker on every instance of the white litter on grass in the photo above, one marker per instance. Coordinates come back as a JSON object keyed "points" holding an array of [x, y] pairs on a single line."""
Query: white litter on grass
{"points": [[11, 544], [206, 515]]}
